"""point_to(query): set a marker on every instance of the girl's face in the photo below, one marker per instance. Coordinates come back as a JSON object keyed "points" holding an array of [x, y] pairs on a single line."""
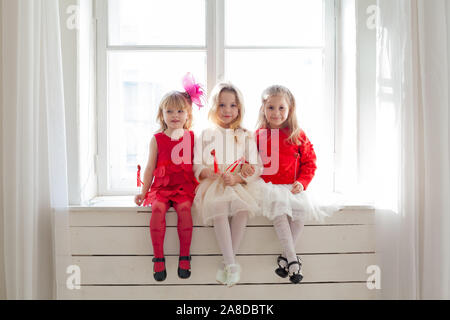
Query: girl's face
{"points": [[175, 117], [227, 110], [276, 110]]}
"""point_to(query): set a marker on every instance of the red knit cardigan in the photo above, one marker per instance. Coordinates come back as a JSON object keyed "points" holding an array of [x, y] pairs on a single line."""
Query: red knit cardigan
{"points": [[296, 162]]}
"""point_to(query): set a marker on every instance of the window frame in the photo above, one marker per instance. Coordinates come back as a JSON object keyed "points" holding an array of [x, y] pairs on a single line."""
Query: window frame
{"points": [[215, 52]]}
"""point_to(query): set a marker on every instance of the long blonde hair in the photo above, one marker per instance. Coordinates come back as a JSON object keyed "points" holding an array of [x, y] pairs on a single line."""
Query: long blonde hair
{"points": [[292, 123], [214, 104], [175, 99]]}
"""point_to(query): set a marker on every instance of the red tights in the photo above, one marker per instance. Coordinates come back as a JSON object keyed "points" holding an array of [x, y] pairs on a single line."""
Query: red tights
{"points": [[158, 230]]}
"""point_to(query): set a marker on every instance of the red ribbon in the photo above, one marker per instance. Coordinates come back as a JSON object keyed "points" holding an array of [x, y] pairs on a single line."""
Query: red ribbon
{"points": [[139, 181], [234, 165], [216, 166]]}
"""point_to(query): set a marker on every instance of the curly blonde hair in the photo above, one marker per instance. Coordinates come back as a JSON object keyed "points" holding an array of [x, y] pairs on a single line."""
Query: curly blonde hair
{"points": [[175, 99], [292, 123]]}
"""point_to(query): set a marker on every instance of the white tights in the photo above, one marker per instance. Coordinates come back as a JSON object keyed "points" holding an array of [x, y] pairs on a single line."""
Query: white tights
{"points": [[288, 232], [229, 235]]}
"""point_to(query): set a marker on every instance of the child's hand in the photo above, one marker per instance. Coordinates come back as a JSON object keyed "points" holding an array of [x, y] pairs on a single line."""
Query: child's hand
{"points": [[297, 187], [139, 199], [230, 179], [247, 170], [209, 173]]}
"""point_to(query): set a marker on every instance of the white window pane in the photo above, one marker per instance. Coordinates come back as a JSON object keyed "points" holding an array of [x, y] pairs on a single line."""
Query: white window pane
{"points": [[302, 72], [275, 23], [136, 83], [156, 22], [299, 70]]}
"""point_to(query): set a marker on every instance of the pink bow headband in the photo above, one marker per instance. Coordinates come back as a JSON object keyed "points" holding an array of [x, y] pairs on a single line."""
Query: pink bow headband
{"points": [[194, 90]]}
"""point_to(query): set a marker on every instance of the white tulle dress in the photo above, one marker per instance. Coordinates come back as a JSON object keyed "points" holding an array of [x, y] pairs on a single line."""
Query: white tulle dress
{"points": [[212, 197]]}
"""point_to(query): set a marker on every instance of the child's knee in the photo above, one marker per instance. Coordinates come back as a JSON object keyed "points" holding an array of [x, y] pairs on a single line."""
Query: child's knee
{"points": [[184, 207], [184, 211], [158, 217], [241, 215]]}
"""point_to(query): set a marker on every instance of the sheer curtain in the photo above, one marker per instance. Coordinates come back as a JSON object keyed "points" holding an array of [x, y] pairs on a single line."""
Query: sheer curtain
{"points": [[33, 148], [413, 143]]}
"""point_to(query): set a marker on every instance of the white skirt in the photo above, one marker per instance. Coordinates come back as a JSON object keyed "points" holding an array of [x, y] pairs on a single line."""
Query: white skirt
{"points": [[214, 199], [277, 200]]}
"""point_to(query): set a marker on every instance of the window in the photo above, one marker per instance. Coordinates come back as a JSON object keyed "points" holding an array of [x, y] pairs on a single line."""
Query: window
{"points": [[144, 47]]}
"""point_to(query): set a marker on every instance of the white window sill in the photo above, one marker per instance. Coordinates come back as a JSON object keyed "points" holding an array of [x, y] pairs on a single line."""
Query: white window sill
{"points": [[121, 203]]}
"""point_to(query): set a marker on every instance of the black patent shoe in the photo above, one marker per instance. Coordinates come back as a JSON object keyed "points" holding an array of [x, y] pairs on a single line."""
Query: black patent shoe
{"points": [[281, 271], [160, 275], [296, 277], [184, 273]]}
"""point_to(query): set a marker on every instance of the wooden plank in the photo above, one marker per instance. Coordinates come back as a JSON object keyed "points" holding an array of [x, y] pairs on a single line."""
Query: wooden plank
{"points": [[100, 218], [306, 291], [257, 240], [124, 231], [126, 203], [255, 269]]}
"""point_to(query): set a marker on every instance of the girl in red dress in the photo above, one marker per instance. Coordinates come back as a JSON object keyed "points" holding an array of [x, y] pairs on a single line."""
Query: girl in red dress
{"points": [[170, 163], [289, 166]]}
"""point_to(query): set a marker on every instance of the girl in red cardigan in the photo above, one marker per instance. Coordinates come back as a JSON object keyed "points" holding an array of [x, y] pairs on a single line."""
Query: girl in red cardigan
{"points": [[289, 166]]}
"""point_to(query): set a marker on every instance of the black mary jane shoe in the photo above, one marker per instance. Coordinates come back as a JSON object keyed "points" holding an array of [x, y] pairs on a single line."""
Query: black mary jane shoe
{"points": [[160, 275], [184, 273], [296, 277], [281, 271]]}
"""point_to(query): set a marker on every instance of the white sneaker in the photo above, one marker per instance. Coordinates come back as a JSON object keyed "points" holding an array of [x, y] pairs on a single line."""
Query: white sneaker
{"points": [[221, 276], [233, 277]]}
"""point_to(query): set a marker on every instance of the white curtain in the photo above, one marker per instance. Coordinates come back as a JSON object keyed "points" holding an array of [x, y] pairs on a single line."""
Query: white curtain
{"points": [[413, 147], [33, 147]]}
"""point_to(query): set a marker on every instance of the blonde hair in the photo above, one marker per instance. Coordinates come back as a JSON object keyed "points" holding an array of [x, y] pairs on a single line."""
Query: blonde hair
{"points": [[175, 99], [214, 104], [292, 123]]}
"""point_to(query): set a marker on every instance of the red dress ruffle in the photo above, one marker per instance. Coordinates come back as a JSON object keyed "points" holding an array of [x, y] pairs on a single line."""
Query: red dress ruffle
{"points": [[173, 182]]}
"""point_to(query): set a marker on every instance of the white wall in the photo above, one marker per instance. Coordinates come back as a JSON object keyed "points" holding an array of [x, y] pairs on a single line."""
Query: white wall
{"points": [[2, 260]]}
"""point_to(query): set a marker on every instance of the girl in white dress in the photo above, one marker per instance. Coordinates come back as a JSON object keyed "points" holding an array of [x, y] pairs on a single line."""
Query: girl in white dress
{"points": [[222, 154]]}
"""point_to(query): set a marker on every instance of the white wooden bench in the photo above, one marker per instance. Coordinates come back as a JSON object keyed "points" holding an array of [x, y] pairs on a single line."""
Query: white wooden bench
{"points": [[112, 247]]}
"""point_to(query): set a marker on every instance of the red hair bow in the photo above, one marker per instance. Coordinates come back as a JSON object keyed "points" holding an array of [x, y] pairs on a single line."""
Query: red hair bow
{"points": [[194, 90]]}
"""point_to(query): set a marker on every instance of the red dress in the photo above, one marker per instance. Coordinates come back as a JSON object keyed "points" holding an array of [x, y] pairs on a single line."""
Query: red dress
{"points": [[174, 178]]}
